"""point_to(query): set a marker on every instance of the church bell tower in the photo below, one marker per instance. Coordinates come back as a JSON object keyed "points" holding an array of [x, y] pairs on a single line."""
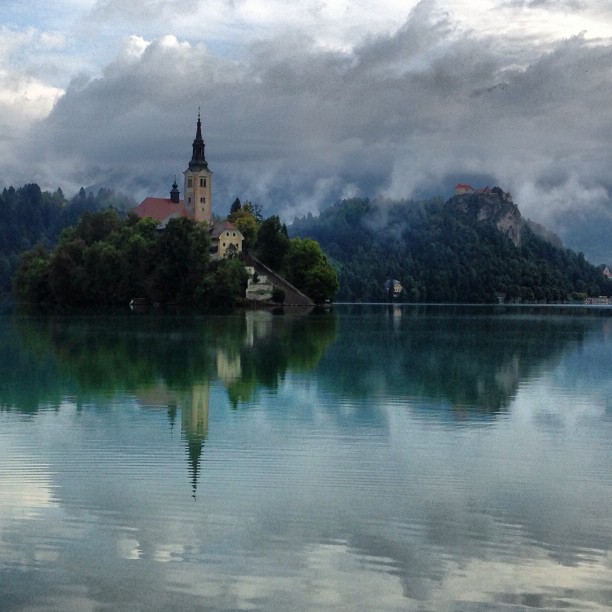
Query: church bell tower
{"points": [[198, 181]]}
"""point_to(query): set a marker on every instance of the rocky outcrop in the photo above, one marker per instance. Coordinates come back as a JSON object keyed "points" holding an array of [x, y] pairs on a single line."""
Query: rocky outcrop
{"points": [[493, 207]]}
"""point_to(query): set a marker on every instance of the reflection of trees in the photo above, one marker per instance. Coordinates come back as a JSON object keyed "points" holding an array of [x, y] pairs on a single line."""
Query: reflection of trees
{"points": [[164, 361], [91, 357], [29, 375], [466, 357], [277, 344], [127, 354]]}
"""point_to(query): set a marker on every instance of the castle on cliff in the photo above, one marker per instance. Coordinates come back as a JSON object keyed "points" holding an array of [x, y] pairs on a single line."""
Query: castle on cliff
{"points": [[465, 189]]}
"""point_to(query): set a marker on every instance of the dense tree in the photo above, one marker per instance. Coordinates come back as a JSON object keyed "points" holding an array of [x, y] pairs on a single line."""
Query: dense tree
{"points": [[440, 254], [223, 289], [34, 276], [248, 226], [255, 210], [106, 257], [234, 209], [307, 268], [301, 261], [107, 260], [247, 218], [272, 242], [182, 260], [244, 219], [29, 216]]}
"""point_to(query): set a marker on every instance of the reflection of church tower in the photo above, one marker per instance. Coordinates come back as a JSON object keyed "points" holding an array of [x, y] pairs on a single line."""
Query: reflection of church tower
{"points": [[198, 181], [194, 423]]}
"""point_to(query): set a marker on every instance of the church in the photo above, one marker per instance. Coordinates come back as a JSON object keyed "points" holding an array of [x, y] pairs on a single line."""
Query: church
{"points": [[226, 238]]}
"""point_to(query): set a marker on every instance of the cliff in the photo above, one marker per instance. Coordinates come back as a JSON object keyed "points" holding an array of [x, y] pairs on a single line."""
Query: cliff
{"points": [[490, 207]]}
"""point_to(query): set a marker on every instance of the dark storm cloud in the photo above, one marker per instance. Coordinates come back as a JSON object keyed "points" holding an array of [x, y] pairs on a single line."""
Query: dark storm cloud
{"points": [[296, 126]]}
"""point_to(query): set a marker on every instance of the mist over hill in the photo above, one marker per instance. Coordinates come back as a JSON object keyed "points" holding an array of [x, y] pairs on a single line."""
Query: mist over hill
{"points": [[476, 247]]}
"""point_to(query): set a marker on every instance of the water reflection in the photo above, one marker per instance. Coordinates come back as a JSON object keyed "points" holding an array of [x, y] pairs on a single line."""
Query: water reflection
{"points": [[471, 360], [106, 355], [167, 362], [468, 358], [333, 462], [474, 359]]}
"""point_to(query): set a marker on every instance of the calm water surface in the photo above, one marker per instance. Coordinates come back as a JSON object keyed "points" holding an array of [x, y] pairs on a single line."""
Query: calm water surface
{"points": [[370, 458]]}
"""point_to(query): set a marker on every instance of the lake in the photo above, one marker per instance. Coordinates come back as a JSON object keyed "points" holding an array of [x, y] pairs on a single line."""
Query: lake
{"points": [[367, 458]]}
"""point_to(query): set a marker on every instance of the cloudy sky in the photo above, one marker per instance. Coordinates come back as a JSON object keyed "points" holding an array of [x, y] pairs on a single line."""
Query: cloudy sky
{"points": [[306, 102]]}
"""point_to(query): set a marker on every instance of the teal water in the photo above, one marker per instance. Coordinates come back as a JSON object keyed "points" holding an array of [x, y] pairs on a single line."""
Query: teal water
{"points": [[369, 458]]}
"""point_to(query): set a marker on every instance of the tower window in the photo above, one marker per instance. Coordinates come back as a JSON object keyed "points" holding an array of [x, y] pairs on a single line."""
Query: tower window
{"points": [[189, 182], [202, 182], [202, 200]]}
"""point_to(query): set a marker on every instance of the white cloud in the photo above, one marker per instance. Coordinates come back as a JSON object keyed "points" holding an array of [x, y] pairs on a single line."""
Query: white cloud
{"points": [[301, 100], [24, 97]]}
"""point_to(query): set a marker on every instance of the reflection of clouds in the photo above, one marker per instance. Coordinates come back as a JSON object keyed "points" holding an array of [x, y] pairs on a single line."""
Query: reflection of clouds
{"points": [[128, 548], [538, 583], [571, 408], [320, 576], [533, 485], [165, 553], [24, 495], [311, 499], [25, 483], [331, 576], [335, 575], [342, 579], [27, 501]]}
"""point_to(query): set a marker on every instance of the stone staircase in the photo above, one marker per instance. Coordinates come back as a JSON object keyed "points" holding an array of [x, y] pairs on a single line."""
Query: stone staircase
{"points": [[293, 296]]}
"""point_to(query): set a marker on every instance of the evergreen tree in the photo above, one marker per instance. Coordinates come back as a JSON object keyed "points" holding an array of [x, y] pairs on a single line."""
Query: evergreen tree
{"points": [[272, 242], [439, 253]]}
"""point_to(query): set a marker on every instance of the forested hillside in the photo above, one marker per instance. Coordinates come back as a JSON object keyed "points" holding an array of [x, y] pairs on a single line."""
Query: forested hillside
{"points": [[448, 251], [29, 216]]}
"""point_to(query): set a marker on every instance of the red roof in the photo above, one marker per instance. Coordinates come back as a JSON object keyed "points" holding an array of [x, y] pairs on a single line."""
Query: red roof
{"points": [[463, 186], [161, 209]]}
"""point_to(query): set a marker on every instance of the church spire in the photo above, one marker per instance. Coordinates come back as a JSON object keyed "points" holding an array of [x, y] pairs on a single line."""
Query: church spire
{"points": [[198, 181], [198, 161], [175, 193]]}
